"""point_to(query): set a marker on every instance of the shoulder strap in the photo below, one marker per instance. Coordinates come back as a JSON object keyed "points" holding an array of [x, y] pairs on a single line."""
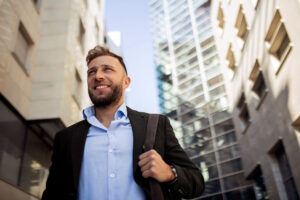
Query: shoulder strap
{"points": [[155, 189], [151, 132]]}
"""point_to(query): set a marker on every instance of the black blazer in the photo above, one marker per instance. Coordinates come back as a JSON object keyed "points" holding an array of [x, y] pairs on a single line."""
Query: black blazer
{"points": [[68, 150]]}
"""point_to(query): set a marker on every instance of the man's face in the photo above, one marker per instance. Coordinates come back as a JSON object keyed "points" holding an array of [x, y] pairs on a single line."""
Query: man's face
{"points": [[107, 81]]}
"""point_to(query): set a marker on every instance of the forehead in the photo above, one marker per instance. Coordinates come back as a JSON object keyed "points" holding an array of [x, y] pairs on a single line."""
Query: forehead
{"points": [[104, 60]]}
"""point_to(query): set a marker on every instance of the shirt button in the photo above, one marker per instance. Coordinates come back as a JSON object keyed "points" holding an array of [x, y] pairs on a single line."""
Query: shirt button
{"points": [[112, 175], [110, 150]]}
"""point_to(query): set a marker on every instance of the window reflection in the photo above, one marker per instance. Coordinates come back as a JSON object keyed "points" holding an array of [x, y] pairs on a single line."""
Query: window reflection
{"points": [[229, 153], [25, 165], [212, 187], [226, 139], [206, 160], [35, 165], [11, 144], [234, 181], [231, 166], [224, 126]]}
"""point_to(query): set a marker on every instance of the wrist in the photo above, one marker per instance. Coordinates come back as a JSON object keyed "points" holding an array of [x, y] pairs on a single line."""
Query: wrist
{"points": [[173, 174]]}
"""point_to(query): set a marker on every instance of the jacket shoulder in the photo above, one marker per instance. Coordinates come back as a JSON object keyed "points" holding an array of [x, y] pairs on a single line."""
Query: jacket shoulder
{"points": [[143, 114], [74, 127]]}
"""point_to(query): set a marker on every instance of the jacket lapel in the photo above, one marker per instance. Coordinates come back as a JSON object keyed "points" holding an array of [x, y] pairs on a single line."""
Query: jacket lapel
{"points": [[138, 123], [77, 149]]}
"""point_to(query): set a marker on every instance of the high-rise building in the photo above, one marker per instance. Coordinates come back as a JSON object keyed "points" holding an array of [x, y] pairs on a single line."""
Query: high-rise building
{"points": [[43, 44], [192, 93], [259, 47]]}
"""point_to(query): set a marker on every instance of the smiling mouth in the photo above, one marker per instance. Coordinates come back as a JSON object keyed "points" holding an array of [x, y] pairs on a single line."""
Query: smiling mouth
{"points": [[101, 87]]}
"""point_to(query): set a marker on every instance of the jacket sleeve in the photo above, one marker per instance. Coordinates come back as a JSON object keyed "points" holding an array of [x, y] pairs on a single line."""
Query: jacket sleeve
{"points": [[190, 182], [55, 188]]}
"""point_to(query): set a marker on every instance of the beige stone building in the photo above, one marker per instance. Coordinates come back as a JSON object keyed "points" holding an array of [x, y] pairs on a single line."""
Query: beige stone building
{"points": [[43, 44], [259, 46]]}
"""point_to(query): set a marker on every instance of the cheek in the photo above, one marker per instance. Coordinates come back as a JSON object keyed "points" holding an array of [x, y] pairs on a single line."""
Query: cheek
{"points": [[90, 82]]}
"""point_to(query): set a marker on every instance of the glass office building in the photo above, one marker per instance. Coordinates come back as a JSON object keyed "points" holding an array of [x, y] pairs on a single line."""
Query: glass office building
{"points": [[192, 94]]}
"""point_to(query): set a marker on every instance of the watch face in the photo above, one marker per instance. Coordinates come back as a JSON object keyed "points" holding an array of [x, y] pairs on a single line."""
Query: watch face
{"points": [[174, 171]]}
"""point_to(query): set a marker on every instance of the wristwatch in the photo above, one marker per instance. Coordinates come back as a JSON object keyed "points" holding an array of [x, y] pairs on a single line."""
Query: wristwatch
{"points": [[175, 173]]}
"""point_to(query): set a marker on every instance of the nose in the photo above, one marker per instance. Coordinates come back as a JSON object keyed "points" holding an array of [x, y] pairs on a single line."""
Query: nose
{"points": [[99, 74]]}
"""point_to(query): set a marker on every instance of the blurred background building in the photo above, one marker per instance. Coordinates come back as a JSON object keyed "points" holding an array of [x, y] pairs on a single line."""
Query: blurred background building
{"points": [[259, 47], [43, 44], [192, 93]]}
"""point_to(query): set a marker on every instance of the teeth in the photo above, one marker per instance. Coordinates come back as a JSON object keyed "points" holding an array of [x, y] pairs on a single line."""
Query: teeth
{"points": [[102, 86]]}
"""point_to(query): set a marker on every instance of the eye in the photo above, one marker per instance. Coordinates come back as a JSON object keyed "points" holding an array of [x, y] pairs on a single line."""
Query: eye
{"points": [[107, 69], [91, 72]]}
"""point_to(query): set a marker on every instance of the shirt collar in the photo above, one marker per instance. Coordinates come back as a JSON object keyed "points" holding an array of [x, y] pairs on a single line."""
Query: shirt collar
{"points": [[90, 111]]}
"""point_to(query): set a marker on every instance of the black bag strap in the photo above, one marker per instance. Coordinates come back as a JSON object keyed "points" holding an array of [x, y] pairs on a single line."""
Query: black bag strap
{"points": [[155, 189], [151, 132]]}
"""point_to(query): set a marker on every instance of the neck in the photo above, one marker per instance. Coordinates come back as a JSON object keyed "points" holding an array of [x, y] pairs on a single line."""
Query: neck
{"points": [[106, 114]]}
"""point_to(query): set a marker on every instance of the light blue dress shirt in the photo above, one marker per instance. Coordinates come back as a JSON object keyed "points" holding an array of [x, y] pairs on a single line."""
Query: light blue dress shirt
{"points": [[107, 168]]}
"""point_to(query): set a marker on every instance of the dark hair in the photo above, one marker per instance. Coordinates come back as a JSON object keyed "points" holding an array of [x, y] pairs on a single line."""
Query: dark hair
{"points": [[103, 51]]}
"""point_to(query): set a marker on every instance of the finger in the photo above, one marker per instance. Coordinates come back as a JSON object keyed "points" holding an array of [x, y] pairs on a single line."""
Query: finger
{"points": [[147, 153], [148, 173], [148, 166], [144, 161]]}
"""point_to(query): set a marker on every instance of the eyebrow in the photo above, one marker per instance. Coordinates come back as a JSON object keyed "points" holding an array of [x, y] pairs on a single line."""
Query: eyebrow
{"points": [[104, 65]]}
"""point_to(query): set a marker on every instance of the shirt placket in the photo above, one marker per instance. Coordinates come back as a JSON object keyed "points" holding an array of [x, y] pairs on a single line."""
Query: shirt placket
{"points": [[111, 162]]}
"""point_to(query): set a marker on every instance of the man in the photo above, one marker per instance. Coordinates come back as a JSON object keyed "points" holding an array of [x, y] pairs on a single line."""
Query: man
{"points": [[102, 157]]}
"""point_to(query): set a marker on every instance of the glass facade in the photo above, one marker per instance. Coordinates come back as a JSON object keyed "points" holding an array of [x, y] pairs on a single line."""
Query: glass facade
{"points": [[24, 155], [192, 93]]}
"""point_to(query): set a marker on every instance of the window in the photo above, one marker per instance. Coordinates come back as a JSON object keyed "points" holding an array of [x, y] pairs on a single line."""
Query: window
{"points": [[81, 34], [259, 86], [241, 194], [255, 71], [278, 41], [259, 184], [212, 187], [231, 166], [35, 165], [209, 172], [286, 173], [22, 48], [220, 17], [220, 115], [226, 139], [216, 92], [224, 126], [241, 24], [230, 58], [12, 137], [207, 42], [244, 112], [77, 88], [215, 80], [234, 181], [229, 153], [206, 160], [24, 156]]}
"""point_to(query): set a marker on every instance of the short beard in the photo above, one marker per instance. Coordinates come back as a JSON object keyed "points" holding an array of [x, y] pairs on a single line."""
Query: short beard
{"points": [[112, 99]]}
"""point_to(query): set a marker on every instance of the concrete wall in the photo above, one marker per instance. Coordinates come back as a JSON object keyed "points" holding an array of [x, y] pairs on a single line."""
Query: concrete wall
{"points": [[60, 54], [271, 118], [15, 82]]}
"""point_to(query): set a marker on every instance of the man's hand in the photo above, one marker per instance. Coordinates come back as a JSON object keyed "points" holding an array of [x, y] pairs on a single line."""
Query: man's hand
{"points": [[152, 165]]}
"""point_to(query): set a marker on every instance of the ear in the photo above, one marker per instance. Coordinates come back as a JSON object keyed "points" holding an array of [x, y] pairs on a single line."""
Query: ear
{"points": [[127, 81]]}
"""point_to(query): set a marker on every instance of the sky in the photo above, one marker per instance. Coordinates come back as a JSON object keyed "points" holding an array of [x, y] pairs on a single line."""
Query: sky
{"points": [[132, 19]]}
